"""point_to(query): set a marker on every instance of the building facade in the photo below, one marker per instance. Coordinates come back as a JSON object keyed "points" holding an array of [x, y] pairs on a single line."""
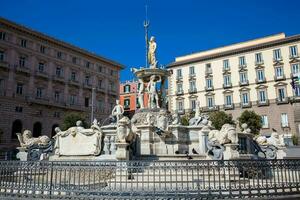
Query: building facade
{"points": [[42, 79], [254, 75], [129, 97]]}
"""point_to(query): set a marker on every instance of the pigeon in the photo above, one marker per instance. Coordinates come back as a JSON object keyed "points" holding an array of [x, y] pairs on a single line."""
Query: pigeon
{"points": [[194, 151], [176, 152]]}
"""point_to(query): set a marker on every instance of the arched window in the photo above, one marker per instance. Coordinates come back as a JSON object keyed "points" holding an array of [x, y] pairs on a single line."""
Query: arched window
{"points": [[37, 129], [16, 128], [53, 129]]}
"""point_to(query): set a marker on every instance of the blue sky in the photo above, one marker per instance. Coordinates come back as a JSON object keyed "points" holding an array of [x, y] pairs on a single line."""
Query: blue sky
{"points": [[114, 28]]}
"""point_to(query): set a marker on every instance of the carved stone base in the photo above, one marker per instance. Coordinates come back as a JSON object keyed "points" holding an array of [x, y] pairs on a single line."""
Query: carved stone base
{"points": [[22, 154], [122, 152], [231, 152]]}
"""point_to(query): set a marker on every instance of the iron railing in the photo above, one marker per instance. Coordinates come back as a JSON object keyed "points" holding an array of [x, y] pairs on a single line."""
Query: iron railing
{"points": [[150, 179]]}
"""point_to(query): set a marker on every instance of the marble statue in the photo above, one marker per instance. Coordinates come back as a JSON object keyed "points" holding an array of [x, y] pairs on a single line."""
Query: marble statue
{"points": [[275, 140], [124, 131], [117, 111], [226, 135], [153, 101], [141, 93], [26, 140], [162, 121], [152, 52], [176, 119], [89, 140]]}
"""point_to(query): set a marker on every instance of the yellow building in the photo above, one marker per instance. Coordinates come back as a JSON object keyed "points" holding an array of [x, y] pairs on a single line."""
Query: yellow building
{"points": [[254, 75]]}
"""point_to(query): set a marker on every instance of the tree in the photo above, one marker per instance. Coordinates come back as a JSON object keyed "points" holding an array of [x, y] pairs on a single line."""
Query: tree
{"points": [[252, 119], [219, 118], [71, 119]]}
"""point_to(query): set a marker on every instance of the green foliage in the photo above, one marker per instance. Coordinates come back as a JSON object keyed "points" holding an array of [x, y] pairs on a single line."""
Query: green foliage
{"points": [[185, 120], [252, 119], [71, 119], [295, 139], [219, 118]]}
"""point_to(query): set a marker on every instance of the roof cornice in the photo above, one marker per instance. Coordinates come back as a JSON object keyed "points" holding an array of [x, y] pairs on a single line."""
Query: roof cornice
{"points": [[290, 39], [51, 40]]}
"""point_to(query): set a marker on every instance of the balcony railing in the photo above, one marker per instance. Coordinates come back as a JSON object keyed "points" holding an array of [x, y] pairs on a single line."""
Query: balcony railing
{"points": [[279, 78], [246, 105], [41, 74], [209, 88], [228, 107], [277, 59], [178, 77], [74, 82], [209, 109], [4, 65], [192, 75], [22, 69], [208, 71], [258, 63], [228, 85], [260, 81], [263, 103], [192, 90], [58, 78], [282, 100], [179, 92], [181, 112], [294, 56], [244, 83], [242, 66]]}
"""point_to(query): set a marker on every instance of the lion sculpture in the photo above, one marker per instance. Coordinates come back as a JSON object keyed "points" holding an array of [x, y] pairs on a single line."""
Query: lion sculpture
{"points": [[226, 135], [275, 140], [26, 140], [124, 131]]}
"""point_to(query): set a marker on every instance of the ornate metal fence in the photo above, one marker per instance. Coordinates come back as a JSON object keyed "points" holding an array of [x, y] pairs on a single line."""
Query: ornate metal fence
{"points": [[150, 179]]}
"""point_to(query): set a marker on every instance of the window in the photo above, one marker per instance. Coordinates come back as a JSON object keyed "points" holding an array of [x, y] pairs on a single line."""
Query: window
{"points": [[127, 88], [19, 89], [192, 70], [297, 91], [180, 106], [245, 98], [295, 69], [72, 99], [23, 43], [100, 83], [73, 76], [100, 105], [264, 121], [100, 68], [41, 67], [258, 58], [19, 109], [262, 96], [208, 68], [58, 71], [281, 94], [226, 64], [210, 102], [22, 60], [87, 80], [209, 83], [39, 93], [179, 73], [277, 54], [86, 102], [242, 61], [56, 115], [42, 49], [2, 35], [293, 51], [74, 60], [127, 103], [260, 75], [227, 80], [193, 104], [284, 120], [56, 96], [228, 100], [192, 85], [59, 55], [1, 55], [279, 72], [179, 87], [87, 64], [243, 77]]}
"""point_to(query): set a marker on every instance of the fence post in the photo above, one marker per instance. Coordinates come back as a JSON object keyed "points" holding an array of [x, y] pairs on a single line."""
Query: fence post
{"points": [[51, 177]]}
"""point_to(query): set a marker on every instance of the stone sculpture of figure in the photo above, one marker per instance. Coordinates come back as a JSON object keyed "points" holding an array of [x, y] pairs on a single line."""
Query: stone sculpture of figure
{"points": [[198, 110], [151, 53], [176, 119], [26, 140], [226, 135], [153, 96], [141, 93], [117, 111], [275, 140], [124, 132]]}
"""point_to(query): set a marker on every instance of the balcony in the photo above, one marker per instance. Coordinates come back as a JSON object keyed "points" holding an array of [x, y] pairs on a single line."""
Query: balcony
{"points": [[246, 105], [126, 107], [41, 74], [259, 62], [241, 67], [22, 69], [57, 78], [280, 101], [276, 60], [181, 111], [208, 72], [87, 86], [192, 76], [4, 65], [112, 92], [228, 85], [178, 77], [226, 70], [74, 82], [263, 103], [192, 90], [295, 99], [257, 81], [244, 83], [210, 109], [209, 88], [38, 100], [179, 92], [100, 89], [228, 107], [292, 57], [279, 78]]}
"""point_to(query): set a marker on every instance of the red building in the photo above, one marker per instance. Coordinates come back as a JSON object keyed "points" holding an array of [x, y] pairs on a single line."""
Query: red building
{"points": [[129, 97]]}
